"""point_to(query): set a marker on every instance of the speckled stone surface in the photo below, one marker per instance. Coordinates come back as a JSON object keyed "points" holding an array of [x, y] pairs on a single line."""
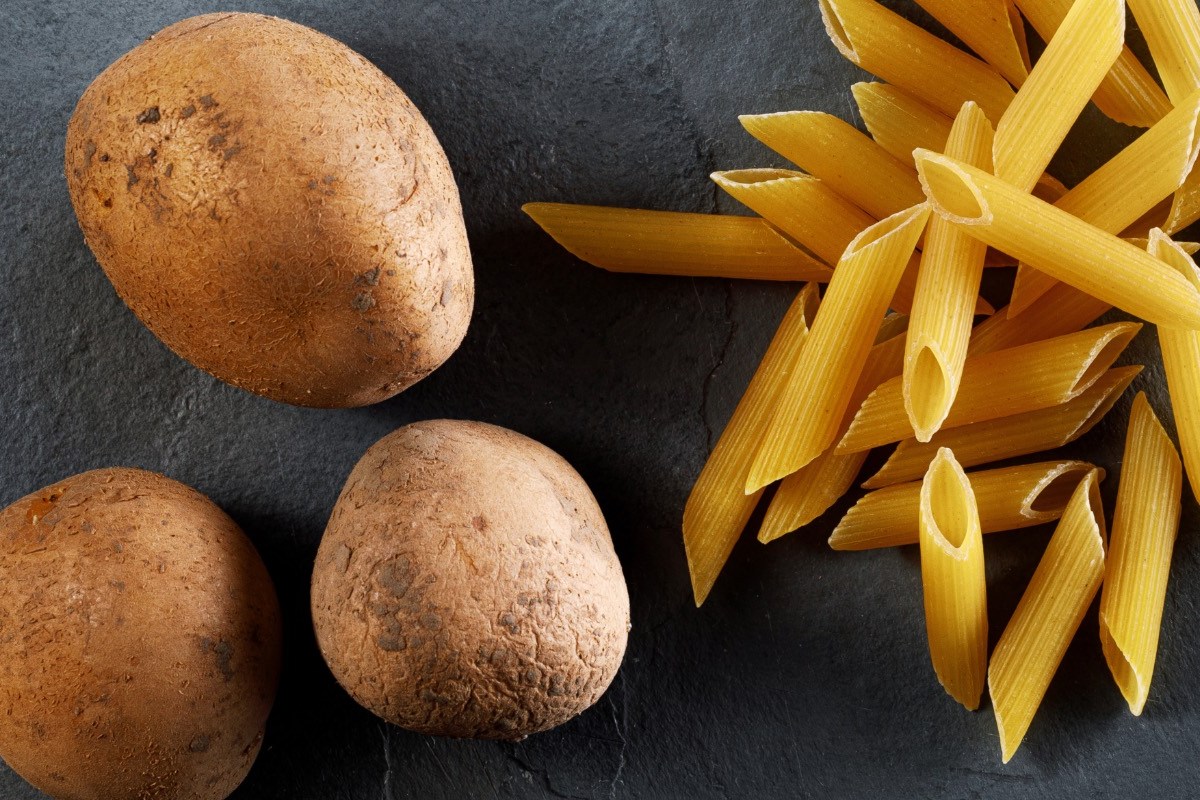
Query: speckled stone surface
{"points": [[805, 674]]}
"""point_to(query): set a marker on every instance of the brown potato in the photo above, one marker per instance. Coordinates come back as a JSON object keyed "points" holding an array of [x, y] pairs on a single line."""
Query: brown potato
{"points": [[466, 584], [139, 641], [274, 208]]}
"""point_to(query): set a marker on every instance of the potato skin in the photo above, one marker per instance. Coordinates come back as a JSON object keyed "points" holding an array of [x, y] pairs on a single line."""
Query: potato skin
{"points": [[139, 641], [467, 586], [274, 208]]}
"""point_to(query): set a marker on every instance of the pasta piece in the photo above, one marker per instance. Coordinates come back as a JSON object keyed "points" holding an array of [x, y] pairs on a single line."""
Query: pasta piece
{"points": [[1185, 206], [944, 305], [1075, 61], [1035, 639], [1009, 498], [717, 508], [840, 155], [1131, 183], [1181, 363], [953, 580], [999, 384], [1016, 24], [899, 122], [986, 27], [1172, 31], [1058, 243], [809, 492], [894, 49], [811, 407], [673, 243], [1061, 310], [1128, 94], [1009, 437], [1144, 526]]}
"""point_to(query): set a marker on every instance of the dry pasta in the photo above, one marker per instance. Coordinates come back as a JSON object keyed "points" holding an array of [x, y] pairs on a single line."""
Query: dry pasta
{"points": [[953, 580], [1144, 525], [1000, 384], [717, 508], [1035, 639], [1009, 437], [1058, 243], [1172, 31], [899, 122], [811, 407], [892, 48], [674, 243], [1008, 498], [986, 27], [944, 303]]}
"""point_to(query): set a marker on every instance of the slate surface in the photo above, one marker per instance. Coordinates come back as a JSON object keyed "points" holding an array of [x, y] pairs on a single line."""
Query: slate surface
{"points": [[805, 674]]}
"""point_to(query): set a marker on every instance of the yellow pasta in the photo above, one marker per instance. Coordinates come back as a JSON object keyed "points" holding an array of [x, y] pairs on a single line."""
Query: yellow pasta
{"points": [[1035, 639], [953, 580], [986, 27], [1130, 184], [673, 243], [811, 407], [1008, 498], [1181, 363], [899, 122], [717, 508], [840, 155], [1058, 243], [901, 53], [1075, 61], [809, 491], [1185, 206], [1172, 31], [1144, 525], [947, 285], [1061, 310], [1016, 23], [1128, 94], [1009, 437], [999, 384]]}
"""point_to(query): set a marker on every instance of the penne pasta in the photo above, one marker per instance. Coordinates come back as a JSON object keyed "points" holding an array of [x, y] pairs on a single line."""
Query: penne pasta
{"points": [[1181, 363], [844, 158], [811, 407], [1016, 23], [717, 508], [986, 27], [999, 384], [1075, 61], [1172, 31], [901, 53], [1061, 310], [899, 122], [1130, 184], [674, 243], [1185, 205], [1008, 498], [1128, 93], [1058, 243], [1009, 437], [944, 303], [952, 577], [809, 492], [1144, 526], [1048, 615]]}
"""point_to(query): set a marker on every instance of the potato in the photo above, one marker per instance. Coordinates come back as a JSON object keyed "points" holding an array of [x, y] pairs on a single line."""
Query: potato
{"points": [[139, 641], [274, 209], [466, 584]]}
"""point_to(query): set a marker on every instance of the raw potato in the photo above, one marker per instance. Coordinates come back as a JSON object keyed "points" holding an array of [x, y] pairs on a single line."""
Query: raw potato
{"points": [[274, 208], [467, 586], [139, 641]]}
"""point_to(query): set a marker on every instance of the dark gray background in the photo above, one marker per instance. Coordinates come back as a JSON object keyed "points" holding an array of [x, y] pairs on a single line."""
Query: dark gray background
{"points": [[806, 673]]}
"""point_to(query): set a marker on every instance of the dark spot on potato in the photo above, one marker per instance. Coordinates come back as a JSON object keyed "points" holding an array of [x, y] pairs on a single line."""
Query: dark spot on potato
{"points": [[390, 642], [199, 744], [152, 154], [431, 620], [131, 177], [89, 150], [216, 140], [230, 152], [108, 203], [558, 686], [328, 179], [149, 116], [479, 523], [397, 576], [118, 585], [363, 301], [368, 278], [187, 111], [104, 158], [170, 170], [509, 621], [223, 651], [207, 101], [312, 184]]}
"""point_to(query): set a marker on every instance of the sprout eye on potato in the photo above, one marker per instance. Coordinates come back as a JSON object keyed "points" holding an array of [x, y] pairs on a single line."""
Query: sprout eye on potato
{"points": [[274, 208], [467, 586], [139, 641]]}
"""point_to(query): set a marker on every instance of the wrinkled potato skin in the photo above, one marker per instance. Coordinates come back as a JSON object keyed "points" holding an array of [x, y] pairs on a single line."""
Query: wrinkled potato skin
{"points": [[139, 641], [274, 208], [467, 586]]}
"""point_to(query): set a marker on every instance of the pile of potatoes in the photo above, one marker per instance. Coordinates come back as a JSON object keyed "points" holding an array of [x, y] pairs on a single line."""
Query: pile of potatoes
{"points": [[280, 214]]}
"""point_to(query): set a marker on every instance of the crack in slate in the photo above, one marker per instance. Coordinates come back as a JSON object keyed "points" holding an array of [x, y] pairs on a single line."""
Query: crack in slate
{"points": [[511, 753]]}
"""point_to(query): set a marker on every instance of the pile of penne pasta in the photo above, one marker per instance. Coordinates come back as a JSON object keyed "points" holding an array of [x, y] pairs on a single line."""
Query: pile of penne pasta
{"points": [[950, 181]]}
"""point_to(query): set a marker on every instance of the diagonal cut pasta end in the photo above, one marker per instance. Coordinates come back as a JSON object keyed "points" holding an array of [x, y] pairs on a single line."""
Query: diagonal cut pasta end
{"points": [[1174, 255], [836, 29], [929, 389], [901, 229], [1049, 496], [1134, 686], [952, 192]]}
